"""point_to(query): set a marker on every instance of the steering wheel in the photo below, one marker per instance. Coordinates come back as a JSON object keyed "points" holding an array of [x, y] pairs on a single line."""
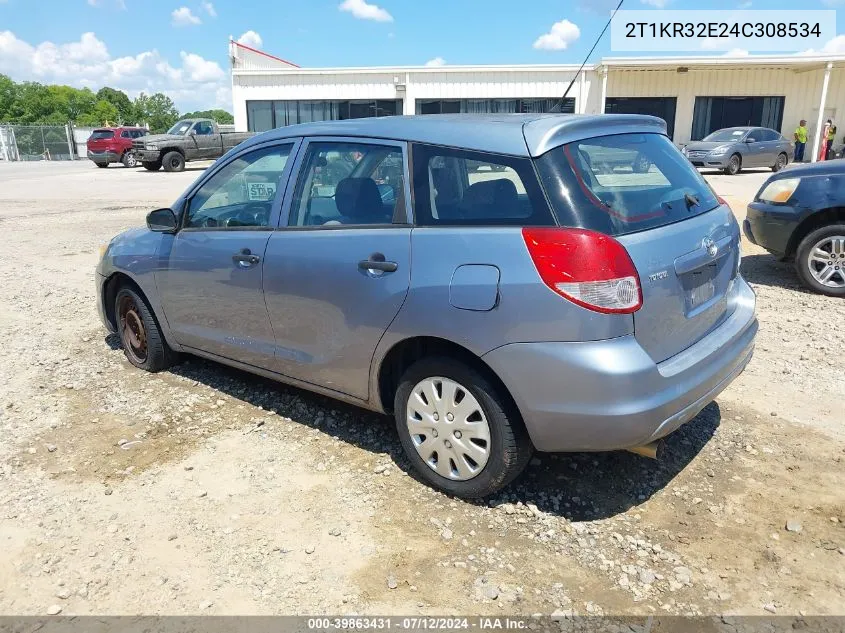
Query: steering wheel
{"points": [[253, 214]]}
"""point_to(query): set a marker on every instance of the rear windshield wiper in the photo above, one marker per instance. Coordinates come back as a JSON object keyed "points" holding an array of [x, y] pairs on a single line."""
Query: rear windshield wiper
{"points": [[691, 201]]}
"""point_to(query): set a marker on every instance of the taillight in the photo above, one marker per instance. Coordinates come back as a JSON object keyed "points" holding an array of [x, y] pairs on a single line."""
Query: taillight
{"points": [[588, 268]]}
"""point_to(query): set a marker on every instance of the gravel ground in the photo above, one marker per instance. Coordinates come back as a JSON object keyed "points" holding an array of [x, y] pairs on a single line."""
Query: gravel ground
{"points": [[207, 490]]}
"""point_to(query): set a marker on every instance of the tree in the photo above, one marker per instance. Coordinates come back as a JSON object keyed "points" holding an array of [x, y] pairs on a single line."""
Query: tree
{"points": [[120, 101], [103, 113], [7, 96], [158, 111], [221, 116]]}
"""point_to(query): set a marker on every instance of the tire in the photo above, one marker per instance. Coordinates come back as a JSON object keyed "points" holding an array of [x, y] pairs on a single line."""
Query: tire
{"points": [[508, 447], [173, 161], [102, 165], [781, 162], [143, 343], [129, 160], [734, 165], [152, 166], [831, 241]]}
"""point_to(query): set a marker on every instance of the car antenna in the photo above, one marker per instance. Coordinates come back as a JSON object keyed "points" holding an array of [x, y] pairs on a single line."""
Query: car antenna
{"points": [[559, 105]]}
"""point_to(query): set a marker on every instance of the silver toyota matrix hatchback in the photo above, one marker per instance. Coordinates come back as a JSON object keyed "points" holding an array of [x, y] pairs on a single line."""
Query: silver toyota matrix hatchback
{"points": [[499, 284]]}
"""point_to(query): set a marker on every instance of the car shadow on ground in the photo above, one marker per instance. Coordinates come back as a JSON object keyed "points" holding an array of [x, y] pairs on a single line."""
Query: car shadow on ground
{"points": [[769, 270], [577, 486]]}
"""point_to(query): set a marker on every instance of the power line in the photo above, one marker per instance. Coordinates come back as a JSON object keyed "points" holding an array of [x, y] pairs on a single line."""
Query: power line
{"points": [[559, 104]]}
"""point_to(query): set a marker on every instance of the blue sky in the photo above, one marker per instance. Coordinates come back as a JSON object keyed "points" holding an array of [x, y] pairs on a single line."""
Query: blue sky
{"points": [[180, 46]]}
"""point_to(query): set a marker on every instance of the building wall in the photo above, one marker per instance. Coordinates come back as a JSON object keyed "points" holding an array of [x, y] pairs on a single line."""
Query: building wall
{"points": [[419, 84], [801, 89]]}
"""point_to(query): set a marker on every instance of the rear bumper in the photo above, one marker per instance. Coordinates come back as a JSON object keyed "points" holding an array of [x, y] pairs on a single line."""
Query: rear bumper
{"points": [[770, 226], [609, 395], [104, 157]]}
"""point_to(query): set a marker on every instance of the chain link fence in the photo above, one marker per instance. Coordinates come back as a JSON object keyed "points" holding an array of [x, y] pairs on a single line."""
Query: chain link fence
{"points": [[36, 142]]}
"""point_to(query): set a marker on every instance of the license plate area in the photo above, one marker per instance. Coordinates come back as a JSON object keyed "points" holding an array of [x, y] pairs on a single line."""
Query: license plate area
{"points": [[699, 287]]}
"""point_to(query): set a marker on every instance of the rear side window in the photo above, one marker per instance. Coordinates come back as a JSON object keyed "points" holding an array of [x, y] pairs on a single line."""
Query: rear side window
{"points": [[98, 135], [623, 183], [463, 188]]}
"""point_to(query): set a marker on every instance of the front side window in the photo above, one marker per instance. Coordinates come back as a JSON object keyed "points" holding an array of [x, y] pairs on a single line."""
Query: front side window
{"points": [[623, 183], [203, 128], [241, 194], [463, 188], [349, 183]]}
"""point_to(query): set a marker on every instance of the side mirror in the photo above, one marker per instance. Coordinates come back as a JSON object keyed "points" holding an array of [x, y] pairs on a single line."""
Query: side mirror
{"points": [[193, 132], [751, 139], [162, 221]]}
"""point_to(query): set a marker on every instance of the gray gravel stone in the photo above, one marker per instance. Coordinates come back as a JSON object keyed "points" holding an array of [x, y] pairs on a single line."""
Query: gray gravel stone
{"points": [[54, 609], [793, 525], [392, 583]]}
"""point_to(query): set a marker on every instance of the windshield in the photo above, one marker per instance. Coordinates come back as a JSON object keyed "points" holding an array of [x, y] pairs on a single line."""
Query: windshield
{"points": [[101, 134], [623, 183], [729, 134], [180, 128]]}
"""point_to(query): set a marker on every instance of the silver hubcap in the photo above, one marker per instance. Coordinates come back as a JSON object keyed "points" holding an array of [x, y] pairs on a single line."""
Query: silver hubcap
{"points": [[827, 261], [448, 428]]}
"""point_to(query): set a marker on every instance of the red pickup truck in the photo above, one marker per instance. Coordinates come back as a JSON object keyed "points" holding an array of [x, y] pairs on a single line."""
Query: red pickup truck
{"points": [[114, 145]]}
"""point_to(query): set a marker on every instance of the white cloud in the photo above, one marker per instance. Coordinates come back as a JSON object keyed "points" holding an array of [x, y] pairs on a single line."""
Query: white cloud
{"points": [[251, 38], [120, 4], [363, 10], [659, 4], [736, 52], [745, 5], [835, 46], [437, 61], [209, 9], [195, 84], [183, 17], [833, 3], [561, 35]]}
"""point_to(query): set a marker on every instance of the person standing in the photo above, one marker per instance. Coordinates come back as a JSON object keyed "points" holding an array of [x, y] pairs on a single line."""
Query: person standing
{"points": [[831, 136], [800, 141]]}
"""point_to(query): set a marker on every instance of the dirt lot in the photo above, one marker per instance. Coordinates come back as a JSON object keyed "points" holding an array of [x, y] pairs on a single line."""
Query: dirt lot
{"points": [[208, 490]]}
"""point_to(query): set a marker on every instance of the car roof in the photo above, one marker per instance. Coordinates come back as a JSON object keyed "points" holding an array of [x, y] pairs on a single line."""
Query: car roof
{"points": [[514, 134]]}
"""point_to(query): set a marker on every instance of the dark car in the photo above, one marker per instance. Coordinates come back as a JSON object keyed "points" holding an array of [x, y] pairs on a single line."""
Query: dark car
{"points": [[114, 145], [800, 214], [733, 148]]}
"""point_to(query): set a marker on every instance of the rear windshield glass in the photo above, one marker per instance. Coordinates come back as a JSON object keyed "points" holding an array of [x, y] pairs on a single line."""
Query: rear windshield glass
{"points": [[101, 134], [729, 134], [623, 183]]}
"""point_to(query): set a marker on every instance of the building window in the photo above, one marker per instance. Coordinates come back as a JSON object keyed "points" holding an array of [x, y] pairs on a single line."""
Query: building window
{"points": [[715, 113], [663, 107], [492, 106], [267, 115]]}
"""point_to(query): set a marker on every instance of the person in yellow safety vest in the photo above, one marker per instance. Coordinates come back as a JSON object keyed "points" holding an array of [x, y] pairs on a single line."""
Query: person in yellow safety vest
{"points": [[800, 141], [831, 135]]}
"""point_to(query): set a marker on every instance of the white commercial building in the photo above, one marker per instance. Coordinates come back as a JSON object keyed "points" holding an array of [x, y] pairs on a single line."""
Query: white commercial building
{"points": [[694, 95]]}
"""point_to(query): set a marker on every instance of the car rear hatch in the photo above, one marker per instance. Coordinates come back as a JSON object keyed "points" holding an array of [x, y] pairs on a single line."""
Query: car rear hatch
{"points": [[101, 141], [682, 240]]}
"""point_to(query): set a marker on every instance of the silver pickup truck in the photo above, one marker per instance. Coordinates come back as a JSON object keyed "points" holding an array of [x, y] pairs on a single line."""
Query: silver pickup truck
{"points": [[187, 140]]}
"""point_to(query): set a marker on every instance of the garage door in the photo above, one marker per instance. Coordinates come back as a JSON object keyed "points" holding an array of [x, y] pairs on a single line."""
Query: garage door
{"points": [[663, 107], [716, 113]]}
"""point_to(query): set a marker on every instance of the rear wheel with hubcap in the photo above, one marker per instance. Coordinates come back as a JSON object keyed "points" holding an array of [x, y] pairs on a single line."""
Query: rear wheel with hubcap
{"points": [[781, 162], [820, 260], [459, 432]]}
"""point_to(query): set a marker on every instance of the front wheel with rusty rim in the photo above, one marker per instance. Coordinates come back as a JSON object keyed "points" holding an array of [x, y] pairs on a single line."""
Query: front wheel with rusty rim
{"points": [[143, 342]]}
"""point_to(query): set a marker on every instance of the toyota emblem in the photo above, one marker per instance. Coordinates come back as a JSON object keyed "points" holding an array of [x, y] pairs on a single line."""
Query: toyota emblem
{"points": [[710, 246]]}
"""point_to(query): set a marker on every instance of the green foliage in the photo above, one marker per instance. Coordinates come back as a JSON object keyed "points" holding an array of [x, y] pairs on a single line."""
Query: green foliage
{"points": [[158, 111], [220, 116], [120, 101], [29, 102]]}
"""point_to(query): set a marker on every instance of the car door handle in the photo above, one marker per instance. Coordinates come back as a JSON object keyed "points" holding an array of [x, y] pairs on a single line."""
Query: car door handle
{"points": [[377, 262], [245, 258]]}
